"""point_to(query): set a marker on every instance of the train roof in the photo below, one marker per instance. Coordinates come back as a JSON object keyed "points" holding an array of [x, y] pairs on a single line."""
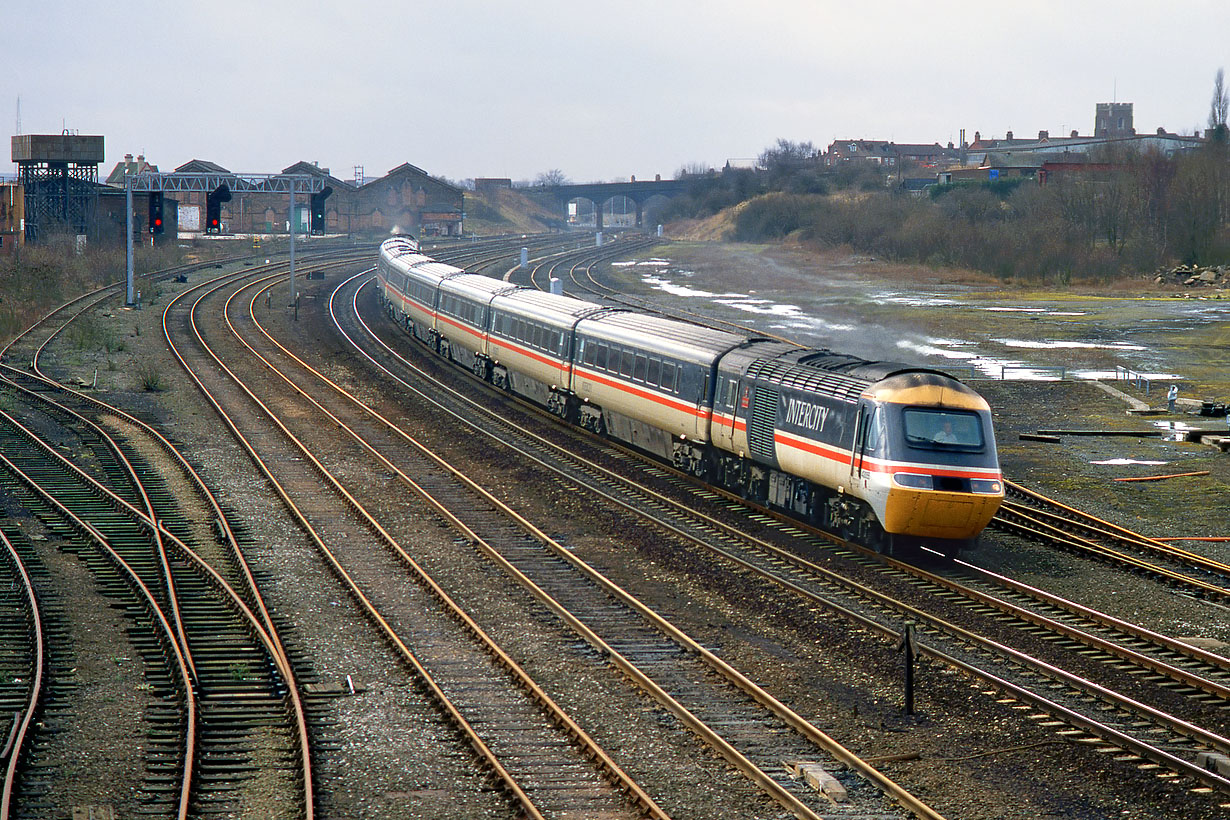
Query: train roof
{"points": [[835, 374], [399, 246], [433, 270], [474, 286], [785, 373], [870, 370], [666, 336], [555, 309]]}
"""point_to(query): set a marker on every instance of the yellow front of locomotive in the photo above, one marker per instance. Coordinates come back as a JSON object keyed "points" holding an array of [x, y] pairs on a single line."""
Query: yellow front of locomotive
{"points": [[939, 474]]}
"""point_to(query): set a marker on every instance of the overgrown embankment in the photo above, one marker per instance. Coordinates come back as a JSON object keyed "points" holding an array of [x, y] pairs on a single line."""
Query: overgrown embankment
{"points": [[36, 279], [1111, 216]]}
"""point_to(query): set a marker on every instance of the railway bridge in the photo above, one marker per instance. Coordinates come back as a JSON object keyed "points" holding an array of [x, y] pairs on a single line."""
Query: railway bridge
{"points": [[601, 193]]}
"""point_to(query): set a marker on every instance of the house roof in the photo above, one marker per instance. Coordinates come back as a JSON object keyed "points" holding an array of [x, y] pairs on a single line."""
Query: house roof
{"points": [[127, 167], [312, 169], [406, 169], [1010, 159], [201, 166]]}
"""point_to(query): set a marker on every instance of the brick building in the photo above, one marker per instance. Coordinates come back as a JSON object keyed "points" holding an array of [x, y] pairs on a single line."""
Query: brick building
{"points": [[407, 198], [12, 216], [884, 152]]}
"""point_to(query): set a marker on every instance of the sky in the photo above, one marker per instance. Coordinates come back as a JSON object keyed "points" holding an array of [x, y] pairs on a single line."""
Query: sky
{"points": [[599, 91]]}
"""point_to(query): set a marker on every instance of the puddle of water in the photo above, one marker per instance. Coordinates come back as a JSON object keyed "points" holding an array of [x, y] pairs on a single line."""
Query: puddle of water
{"points": [[1066, 345], [911, 300], [763, 307], [1038, 310], [644, 263], [667, 286], [797, 320], [1111, 375], [1174, 430]]}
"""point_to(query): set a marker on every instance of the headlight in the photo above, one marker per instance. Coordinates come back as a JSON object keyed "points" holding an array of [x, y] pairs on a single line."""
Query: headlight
{"points": [[913, 480], [986, 486]]}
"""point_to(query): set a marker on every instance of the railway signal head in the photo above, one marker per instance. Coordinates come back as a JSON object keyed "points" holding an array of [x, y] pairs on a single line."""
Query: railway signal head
{"points": [[213, 208], [317, 220], [155, 212]]}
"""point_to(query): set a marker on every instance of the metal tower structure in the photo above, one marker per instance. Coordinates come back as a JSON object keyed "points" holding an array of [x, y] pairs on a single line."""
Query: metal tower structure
{"points": [[60, 175]]}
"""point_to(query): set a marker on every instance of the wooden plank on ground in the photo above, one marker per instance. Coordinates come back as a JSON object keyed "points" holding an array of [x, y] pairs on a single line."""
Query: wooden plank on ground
{"points": [[1160, 477]]}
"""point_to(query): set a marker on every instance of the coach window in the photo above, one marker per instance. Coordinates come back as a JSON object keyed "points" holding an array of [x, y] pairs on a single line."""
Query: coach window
{"points": [[625, 364], [654, 372], [600, 357], [873, 432], [669, 376], [638, 372]]}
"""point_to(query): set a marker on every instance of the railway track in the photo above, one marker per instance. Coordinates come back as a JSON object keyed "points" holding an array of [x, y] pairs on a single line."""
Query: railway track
{"points": [[1180, 733], [225, 719], [562, 585], [830, 747], [545, 763], [219, 685], [1034, 516]]}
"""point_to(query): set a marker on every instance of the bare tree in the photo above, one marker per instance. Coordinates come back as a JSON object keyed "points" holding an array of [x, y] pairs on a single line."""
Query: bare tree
{"points": [[550, 178], [786, 154], [692, 169], [1220, 106]]}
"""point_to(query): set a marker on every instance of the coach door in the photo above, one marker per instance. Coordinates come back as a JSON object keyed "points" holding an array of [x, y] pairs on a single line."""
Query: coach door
{"points": [[865, 441]]}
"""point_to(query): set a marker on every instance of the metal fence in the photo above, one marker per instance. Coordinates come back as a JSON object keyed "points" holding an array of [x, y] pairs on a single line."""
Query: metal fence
{"points": [[1140, 382]]}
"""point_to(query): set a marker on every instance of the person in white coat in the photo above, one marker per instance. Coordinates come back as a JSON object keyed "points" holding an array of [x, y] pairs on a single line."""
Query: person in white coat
{"points": [[1172, 395]]}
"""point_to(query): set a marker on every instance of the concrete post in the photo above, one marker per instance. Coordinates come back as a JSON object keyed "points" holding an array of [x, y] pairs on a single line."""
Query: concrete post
{"points": [[128, 296]]}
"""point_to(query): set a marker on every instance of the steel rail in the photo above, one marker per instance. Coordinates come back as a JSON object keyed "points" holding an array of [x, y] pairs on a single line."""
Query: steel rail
{"points": [[485, 753], [622, 780], [1123, 534], [171, 644], [260, 630], [1190, 769], [17, 740], [1174, 645], [1021, 519], [471, 735], [796, 722]]}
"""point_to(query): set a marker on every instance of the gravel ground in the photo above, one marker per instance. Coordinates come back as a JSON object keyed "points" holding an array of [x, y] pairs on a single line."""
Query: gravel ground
{"points": [[977, 759]]}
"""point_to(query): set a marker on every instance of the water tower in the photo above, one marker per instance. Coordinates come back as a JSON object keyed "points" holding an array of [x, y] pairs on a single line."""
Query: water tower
{"points": [[59, 173]]}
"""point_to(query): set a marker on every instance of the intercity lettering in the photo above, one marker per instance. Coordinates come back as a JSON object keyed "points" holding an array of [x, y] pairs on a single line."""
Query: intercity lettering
{"points": [[805, 414]]}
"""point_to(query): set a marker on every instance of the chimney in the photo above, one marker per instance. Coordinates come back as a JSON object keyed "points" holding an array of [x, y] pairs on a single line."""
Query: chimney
{"points": [[128, 158], [140, 159], [977, 136], [1044, 135], [1075, 133], [1009, 136]]}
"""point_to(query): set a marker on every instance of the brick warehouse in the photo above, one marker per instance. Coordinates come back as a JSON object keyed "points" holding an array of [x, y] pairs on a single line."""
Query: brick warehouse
{"points": [[407, 198]]}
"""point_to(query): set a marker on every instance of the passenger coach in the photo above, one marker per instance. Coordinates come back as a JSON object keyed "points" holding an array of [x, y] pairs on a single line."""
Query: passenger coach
{"points": [[649, 381], [881, 452]]}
